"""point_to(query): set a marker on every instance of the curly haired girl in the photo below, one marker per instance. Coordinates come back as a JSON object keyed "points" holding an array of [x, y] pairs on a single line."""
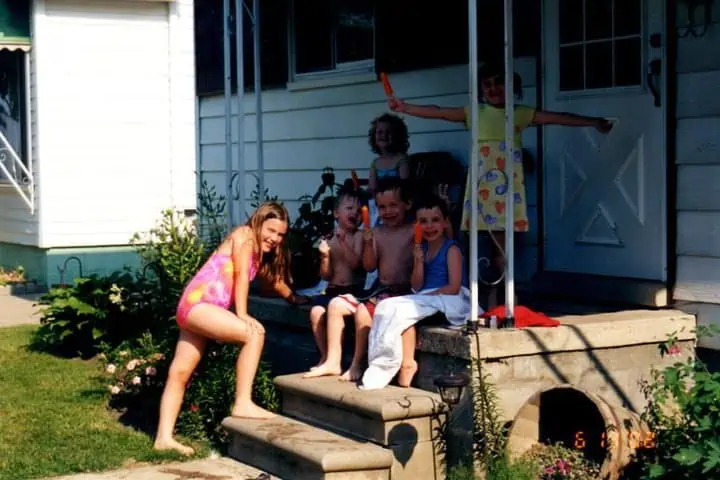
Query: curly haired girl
{"points": [[388, 138]]}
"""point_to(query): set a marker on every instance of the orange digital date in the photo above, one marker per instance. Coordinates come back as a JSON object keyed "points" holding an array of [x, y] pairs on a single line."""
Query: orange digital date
{"points": [[637, 440]]}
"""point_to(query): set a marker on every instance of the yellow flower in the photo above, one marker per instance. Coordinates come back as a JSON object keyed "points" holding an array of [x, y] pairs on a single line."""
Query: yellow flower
{"points": [[196, 295]]}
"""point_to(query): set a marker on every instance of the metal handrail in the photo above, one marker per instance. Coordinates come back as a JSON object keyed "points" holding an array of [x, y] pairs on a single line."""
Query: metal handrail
{"points": [[19, 180]]}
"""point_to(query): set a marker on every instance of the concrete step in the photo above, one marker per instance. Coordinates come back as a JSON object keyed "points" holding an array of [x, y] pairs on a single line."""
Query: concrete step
{"points": [[407, 420], [294, 450]]}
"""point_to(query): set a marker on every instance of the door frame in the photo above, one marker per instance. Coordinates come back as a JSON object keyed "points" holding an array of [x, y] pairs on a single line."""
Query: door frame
{"points": [[618, 289]]}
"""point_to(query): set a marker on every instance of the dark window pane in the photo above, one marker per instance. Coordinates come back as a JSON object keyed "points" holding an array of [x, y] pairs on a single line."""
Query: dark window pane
{"points": [[571, 68], [313, 36], [599, 65], [354, 32], [628, 62], [598, 19], [571, 27], [628, 15]]}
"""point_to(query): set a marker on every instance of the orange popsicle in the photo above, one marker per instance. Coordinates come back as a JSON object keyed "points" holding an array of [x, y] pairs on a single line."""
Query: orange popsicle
{"points": [[418, 234], [386, 84], [355, 179], [365, 216]]}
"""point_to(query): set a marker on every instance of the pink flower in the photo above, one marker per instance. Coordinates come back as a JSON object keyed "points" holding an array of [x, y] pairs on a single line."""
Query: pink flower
{"points": [[674, 351], [136, 380], [150, 371], [110, 369], [194, 408]]}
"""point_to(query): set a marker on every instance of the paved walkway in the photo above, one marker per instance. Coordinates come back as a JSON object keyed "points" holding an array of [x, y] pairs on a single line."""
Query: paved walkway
{"points": [[19, 310], [206, 469]]}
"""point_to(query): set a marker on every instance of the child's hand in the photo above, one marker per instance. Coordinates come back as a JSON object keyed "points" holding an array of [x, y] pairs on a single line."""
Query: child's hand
{"points": [[419, 254], [397, 105], [367, 234], [604, 125], [324, 248]]}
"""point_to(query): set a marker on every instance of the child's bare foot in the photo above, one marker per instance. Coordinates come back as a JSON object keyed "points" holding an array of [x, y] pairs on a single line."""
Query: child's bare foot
{"points": [[407, 373], [353, 374], [250, 410], [323, 370], [172, 444], [322, 360]]}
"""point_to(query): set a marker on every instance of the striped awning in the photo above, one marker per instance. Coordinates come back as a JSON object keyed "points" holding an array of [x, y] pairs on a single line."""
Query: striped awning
{"points": [[15, 25]]}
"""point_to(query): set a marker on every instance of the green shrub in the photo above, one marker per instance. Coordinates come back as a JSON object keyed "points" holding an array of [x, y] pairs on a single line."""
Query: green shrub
{"points": [[683, 412], [76, 320], [135, 374]]}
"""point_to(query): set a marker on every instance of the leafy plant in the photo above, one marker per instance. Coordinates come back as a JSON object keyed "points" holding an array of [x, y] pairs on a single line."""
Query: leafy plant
{"points": [[136, 371], [76, 320], [489, 434], [683, 411], [556, 462]]}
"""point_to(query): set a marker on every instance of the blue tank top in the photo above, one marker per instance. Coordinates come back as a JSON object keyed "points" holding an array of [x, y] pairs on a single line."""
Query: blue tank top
{"points": [[436, 270]]}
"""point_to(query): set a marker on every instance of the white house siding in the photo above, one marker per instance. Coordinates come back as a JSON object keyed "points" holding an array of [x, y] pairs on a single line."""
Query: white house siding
{"points": [[698, 159], [115, 117], [306, 130]]}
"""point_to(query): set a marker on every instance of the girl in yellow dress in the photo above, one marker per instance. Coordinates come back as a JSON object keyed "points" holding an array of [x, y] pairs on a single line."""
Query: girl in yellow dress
{"points": [[490, 193]]}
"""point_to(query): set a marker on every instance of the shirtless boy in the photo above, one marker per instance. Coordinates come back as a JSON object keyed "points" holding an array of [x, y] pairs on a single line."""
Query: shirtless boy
{"points": [[387, 248], [340, 265]]}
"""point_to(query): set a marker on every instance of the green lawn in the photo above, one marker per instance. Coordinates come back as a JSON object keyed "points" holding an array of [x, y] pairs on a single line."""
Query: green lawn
{"points": [[54, 418]]}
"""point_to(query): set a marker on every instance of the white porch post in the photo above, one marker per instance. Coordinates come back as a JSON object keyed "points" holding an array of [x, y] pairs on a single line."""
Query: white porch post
{"points": [[258, 100], [240, 106], [474, 152], [228, 119], [510, 149]]}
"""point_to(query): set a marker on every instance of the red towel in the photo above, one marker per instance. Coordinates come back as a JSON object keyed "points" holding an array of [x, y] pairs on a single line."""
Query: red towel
{"points": [[524, 317]]}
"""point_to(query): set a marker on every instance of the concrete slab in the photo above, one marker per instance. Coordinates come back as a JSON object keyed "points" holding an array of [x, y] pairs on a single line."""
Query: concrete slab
{"points": [[19, 310], [205, 469], [296, 450]]}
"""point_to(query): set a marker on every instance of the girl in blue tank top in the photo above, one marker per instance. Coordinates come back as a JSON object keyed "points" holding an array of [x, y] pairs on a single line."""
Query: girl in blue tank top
{"points": [[440, 283]]}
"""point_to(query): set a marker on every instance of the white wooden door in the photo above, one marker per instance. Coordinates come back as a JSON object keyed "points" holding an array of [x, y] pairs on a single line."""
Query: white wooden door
{"points": [[605, 195]]}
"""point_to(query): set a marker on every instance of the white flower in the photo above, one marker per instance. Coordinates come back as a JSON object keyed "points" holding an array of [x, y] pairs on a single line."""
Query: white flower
{"points": [[102, 356], [111, 369], [123, 353], [150, 371], [114, 389], [132, 364], [136, 380]]}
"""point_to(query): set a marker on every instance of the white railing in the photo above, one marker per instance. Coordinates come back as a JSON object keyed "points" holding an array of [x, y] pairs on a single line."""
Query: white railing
{"points": [[16, 173]]}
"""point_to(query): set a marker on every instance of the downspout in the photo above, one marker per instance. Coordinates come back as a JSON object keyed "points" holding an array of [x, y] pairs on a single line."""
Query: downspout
{"points": [[240, 105], [228, 119], [258, 101]]}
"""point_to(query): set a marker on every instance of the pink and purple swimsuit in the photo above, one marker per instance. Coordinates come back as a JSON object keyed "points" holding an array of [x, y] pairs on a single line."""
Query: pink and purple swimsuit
{"points": [[213, 284]]}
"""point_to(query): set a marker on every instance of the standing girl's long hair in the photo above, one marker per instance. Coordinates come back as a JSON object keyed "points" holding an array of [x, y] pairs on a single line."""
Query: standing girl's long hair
{"points": [[275, 265]]}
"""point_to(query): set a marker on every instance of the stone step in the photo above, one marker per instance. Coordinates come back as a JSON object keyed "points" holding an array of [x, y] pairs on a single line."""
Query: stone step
{"points": [[294, 450], [406, 420]]}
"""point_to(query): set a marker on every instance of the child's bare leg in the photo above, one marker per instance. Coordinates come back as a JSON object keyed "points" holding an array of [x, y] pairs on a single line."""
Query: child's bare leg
{"points": [[409, 366], [317, 323], [336, 312], [213, 322], [363, 322], [188, 353]]}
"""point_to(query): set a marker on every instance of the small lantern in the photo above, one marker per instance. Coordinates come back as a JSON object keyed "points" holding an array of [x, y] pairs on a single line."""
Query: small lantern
{"points": [[451, 387]]}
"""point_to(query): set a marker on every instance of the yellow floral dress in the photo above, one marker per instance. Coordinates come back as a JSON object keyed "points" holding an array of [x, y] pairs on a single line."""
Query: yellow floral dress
{"points": [[492, 187]]}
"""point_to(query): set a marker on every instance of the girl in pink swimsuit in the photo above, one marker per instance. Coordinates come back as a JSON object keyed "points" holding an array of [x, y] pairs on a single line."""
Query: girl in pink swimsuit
{"points": [[203, 314]]}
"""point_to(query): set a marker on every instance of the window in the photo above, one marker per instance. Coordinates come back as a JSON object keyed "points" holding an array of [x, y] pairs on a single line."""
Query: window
{"points": [[13, 114], [332, 36], [600, 44]]}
